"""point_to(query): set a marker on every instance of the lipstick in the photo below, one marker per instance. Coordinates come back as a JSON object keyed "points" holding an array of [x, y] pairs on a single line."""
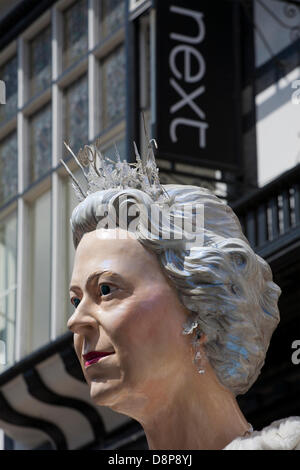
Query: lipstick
{"points": [[94, 356]]}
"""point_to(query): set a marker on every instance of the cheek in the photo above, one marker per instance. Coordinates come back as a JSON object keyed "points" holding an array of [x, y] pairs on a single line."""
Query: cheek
{"points": [[144, 323]]}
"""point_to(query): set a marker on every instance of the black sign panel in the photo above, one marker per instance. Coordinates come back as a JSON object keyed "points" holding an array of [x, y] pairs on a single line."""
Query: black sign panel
{"points": [[198, 99]]}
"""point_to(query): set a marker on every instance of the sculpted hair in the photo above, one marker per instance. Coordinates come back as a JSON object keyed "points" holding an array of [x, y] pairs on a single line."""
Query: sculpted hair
{"points": [[227, 288]]}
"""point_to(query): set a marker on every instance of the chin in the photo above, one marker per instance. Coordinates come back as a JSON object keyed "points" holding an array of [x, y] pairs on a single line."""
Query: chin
{"points": [[105, 392]]}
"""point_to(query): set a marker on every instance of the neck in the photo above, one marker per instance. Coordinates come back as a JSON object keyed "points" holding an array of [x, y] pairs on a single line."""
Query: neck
{"points": [[203, 417]]}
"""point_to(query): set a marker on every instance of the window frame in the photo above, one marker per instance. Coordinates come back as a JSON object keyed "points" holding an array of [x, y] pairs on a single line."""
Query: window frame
{"points": [[56, 178]]}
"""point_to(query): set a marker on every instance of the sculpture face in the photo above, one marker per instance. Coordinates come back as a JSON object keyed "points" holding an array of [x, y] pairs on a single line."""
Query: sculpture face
{"points": [[130, 310]]}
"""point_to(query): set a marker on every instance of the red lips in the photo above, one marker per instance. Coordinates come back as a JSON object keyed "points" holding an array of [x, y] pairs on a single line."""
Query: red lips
{"points": [[94, 356]]}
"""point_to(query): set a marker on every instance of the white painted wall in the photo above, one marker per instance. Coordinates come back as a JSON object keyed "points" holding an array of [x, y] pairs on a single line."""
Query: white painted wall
{"points": [[278, 129], [278, 118], [1, 440]]}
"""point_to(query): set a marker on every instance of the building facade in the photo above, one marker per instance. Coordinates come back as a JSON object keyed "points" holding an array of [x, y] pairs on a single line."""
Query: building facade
{"points": [[77, 71]]}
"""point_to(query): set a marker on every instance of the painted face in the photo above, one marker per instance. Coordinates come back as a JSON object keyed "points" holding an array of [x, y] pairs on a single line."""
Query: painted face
{"points": [[127, 310]]}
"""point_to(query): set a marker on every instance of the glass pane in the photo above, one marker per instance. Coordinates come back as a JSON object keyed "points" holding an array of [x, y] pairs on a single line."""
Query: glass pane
{"points": [[278, 23], [41, 270], [9, 74], [8, 264], [40, 61], [112, 14], [40, 143], [75, 37], [76, 115], [8, 168], [113, 87]]}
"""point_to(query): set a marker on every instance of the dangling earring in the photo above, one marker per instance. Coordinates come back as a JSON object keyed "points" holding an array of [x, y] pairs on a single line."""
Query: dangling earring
{"points": [[198, 356]]}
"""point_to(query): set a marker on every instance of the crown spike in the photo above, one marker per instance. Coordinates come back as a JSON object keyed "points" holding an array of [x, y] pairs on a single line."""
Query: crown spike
{"points": [[75, 182], [75, 158], [142, 175]]}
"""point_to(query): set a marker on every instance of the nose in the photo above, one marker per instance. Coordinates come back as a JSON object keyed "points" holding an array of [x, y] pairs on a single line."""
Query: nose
{"points": [[83, 321]]}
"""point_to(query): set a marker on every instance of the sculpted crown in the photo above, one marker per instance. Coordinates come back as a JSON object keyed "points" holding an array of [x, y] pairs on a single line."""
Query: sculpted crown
{"points": [[101, 172]]}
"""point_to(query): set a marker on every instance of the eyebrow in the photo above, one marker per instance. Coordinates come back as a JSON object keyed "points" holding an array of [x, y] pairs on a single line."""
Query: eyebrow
{"points": [[96, 275]]}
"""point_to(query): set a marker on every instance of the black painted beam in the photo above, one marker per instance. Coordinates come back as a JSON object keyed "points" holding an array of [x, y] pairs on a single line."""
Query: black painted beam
{"points": [[39, 390], [10, 415], [17, 20]]}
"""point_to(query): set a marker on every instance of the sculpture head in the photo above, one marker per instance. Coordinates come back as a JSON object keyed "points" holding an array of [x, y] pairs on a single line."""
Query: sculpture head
{"points": [[219, 288]]}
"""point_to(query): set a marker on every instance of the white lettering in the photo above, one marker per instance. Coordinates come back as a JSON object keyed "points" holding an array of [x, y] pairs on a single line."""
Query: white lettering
{"points": [[188, 75], [120, 460], [187, 51], [187, 99], [193, 14], [296, 354], [189, 122]]}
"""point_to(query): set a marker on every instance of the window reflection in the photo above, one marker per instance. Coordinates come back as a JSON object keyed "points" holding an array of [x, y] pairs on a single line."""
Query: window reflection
{"points": [[75, 108], [40, 143], [40, 62], [112, 15], [113, 87], [8, 168], [9, 74], [75, 32]]}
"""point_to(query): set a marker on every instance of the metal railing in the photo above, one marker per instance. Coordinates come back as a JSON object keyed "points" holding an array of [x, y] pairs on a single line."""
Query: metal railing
{"points": [[270, 216]]}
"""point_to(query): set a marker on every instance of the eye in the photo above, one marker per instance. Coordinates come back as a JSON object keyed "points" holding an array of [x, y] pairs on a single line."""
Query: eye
{"points": [[105, 289], [75, 301]]}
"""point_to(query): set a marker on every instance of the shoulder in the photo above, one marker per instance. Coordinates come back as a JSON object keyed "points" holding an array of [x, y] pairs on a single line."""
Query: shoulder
{"points": [[283, 434]]}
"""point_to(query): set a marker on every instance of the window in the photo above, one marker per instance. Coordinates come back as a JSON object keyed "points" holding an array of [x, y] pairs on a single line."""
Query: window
{"points": [[9, 74], [75, 32], [113, 87], [277, 72], [8, 168], [41, 270], [40, 62], [40, 143], [112, 16], [8, 261], [76, 114], [82, 76], [277, 27]]}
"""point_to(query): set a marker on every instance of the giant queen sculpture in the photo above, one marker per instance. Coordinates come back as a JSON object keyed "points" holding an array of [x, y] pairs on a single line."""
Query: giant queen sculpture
{"points": [[173, 310]]}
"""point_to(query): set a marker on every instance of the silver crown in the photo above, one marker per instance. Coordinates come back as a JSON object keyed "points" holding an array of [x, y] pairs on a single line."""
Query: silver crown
{"points": [[101, 172]]}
